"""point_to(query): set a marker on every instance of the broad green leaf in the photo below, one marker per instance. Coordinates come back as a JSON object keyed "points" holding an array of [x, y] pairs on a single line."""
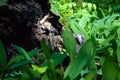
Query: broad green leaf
{"points": [[110, 69], [20, 57], [22, 63], [69, 43], [45, 48], [57, 58], [94, 30], [116, 23], [25, 76], [82, 30], [22, 52], [45, 76], [86, 52], [104, 48], [88, 48], [110, 20], [118, 52], [39, 70], [33, 52], [51, 70], [33, 75], [78, 64], [91, 63], [92, 70], [54, 9], [14, 60], [106, 41], [83, 21], [118, 76], [3, 56], [73, 26], [90, 75]]}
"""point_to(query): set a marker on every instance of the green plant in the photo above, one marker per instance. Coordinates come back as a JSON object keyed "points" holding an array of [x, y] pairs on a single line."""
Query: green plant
{"points": [[22, 67], [14, 67], [85, 58], [98, 56], [101, 22]]}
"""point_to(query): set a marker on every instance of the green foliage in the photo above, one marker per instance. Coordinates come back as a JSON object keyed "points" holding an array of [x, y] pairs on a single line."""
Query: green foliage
{"points": [[22, 67], [67, 39], [108, 67], [45, 48], [22, 52], [98, 21], [84, 58]]}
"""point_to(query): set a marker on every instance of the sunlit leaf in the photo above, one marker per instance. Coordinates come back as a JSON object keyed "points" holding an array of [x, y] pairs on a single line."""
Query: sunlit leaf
{"points": [[82, 30], [106, 41], [39, 70], [73, 26], [54, 9], [83, 21]]}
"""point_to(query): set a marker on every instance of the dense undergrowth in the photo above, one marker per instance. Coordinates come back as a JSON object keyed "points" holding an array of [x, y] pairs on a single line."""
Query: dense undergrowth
{"points": [[98, 58]]}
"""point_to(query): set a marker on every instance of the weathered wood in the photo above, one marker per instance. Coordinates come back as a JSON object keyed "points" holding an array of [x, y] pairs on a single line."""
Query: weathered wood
{"points": [[19, 23]]}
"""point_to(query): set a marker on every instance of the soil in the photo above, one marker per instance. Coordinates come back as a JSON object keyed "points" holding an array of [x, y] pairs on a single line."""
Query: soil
{"points": [[26, 22]]}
